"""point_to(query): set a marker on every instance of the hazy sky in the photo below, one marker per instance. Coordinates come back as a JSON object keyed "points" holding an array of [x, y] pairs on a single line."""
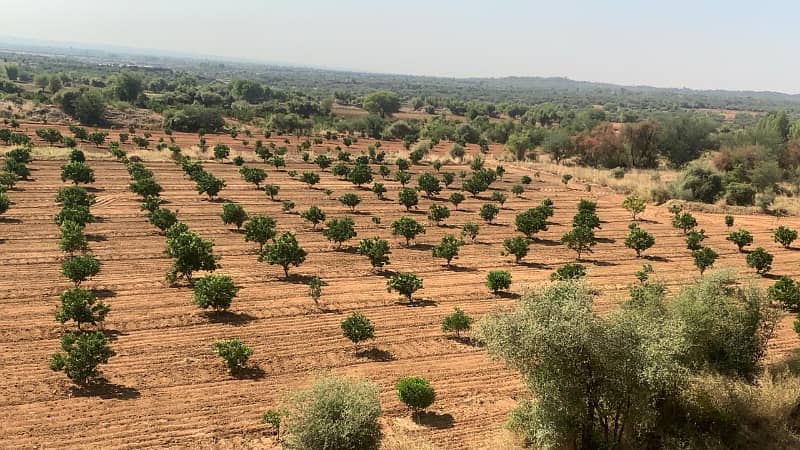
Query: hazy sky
{"points": [[700, 44]]}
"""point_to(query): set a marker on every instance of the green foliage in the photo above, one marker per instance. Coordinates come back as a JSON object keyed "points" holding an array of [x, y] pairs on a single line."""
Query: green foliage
{"points": [[360, 174], [498, 280], [694, 239], [382, 103], [379, 189], [571, 271], [271, 190], [339, 230], [408, 197], [72, 238], [77, 214], [498, 197], [81, 306], [531, 221], [233, 213], [457, 322], [209, 184], [214, 291], [358, 328], [310, 178], [408, 228], [77, 156], [253, 175], [728, 221], [315, 288], [5, 203], [284, 251], [163, 218], [785, 236], [704, 258], [18, 169], [233, 352], [634, 204], [415, 392], [145, 187], [402, 177], [786, 291], [189, 253], [684, 222], [78, 268], [259, 229], [287, 206], [428, 183], [470, 229], [405, 283], [221, 151], [698, 184], [742, 238], [580, 240], [82, 353], [438, 212], [517, 246], [335, 413], [639, 240], [314, 215], [517, 190], [759, 259], [488, 212], [77, 172], [350, 200], [448, 248]]}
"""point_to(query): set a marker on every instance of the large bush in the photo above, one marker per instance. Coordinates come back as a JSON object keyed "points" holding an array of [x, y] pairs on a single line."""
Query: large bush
{"points": [[193, 118], [698, 184]]}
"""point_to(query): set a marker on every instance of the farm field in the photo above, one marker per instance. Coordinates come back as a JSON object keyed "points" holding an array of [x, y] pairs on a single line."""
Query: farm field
{"points": [[166, 388]]}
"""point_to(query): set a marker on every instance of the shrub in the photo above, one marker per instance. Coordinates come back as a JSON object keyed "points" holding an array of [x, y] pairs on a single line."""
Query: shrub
{"points": [[214, 291], [402, 177], [334, 413], [498, 280], [189, 253], [488, 212], [415, 392], [287, 206], [79, 268], [233, 352], [72, 238], [238, 161], [358, 328], [339, 230], [408, 228], [698, 184], [786, 291], [704, 258], [498, 197], [448, 178], [448, 248], [77, 172], [408, 198], [405, 283], [470, 229], [517, 190], [77, 156], [314, 215], [635, 205], [617, 172], [571, 271], [81, 306], [315, 288], [728, 221], [759, 259], [82, 353], [565, 178], [350, 200], [785, 236], [742, 238], [18, 169], [272, 418], [740, 194], [259, 229], [284, 251], [517, 246], [376, 249]]}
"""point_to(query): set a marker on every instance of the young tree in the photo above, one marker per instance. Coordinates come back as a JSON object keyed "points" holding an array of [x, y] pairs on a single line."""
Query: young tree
{"points": [[77, 172], [429, 184], [314, 215], [145, 187], [72, 238], [163, 218], [377, 250], [448, 178], [517, 246], [341, 170], [77, 214], [76, 156], [233, 213], [759, 259], [586, 219], [635, 205], [456, 198], [233, 352], [639, 239], [437, 213], [358, 328], [457, 322], [579, 239], [448, 248], [287, 206], [785, 236], [402, 177], [360, 174], [284, 251], [694, 239], [221, 151], [253, 175], [488, 212], [379, 190], [259, 229], [97, 138], [82, 353], [517, 190], [742, 238], [189, 253], [498, 280], [315, 285], [323, 161], [470, 229], [408, 228], [408, 198], [81, 306], [271, 190], [405, 283], [684, 222], [571, 271], [786, 291], [339, 230], [350, 200], [214, 291], [728, 221], [704, 258], [310, 178], [531, 221], [336, 412], [416, 393], [78, 268]]}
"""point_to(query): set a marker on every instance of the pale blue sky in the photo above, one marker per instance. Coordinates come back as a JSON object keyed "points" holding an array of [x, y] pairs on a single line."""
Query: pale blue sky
{"points": [[700, 44]]}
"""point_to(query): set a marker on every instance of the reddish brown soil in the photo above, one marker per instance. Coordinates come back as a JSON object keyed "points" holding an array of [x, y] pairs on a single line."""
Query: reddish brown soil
{"points": [[167, 389]]}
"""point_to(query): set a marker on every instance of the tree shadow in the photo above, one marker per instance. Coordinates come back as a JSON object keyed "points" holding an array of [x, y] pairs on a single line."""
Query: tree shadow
{"points": [[600, 263], [10, 220], [96, 238], [656, 258], [104, 293], [421, 247], [325, 310], [93, 189], [376, 354], [360, 213], [296, 278], [254, 372], [347, 249], [387, 273], [420, 302], [547, 242], [434, 420], [605, 240], [112, 335], [533, 265], [771, 276], [506, 295], [464, 340], [647, 221], [459, 269], [416, 212], [105, 390], [229, 318]]}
